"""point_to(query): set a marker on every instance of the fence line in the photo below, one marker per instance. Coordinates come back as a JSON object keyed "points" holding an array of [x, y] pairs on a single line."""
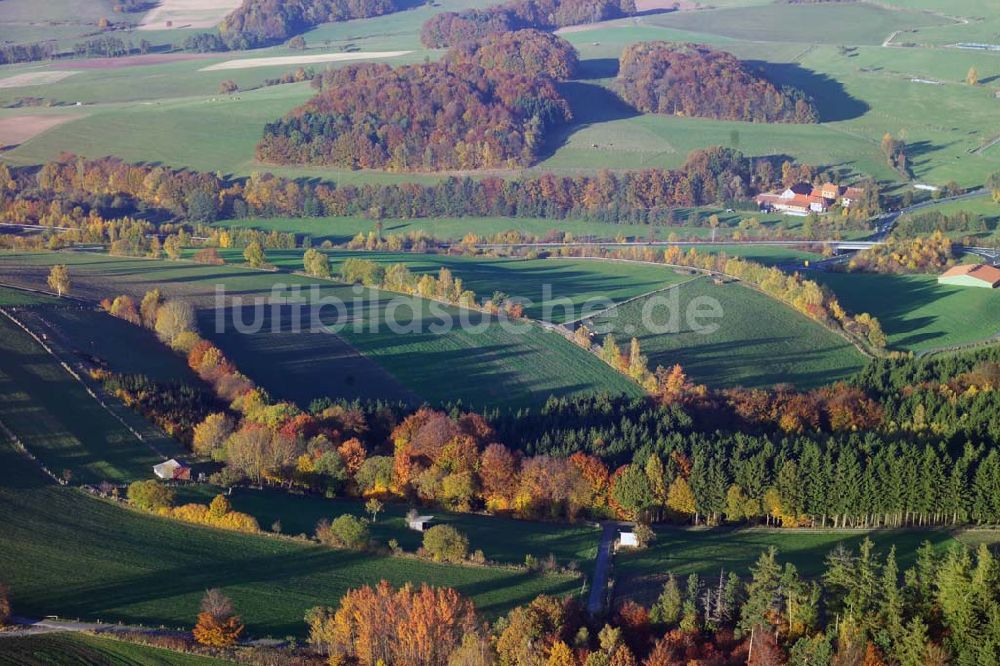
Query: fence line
{"points": [[86, 387]]}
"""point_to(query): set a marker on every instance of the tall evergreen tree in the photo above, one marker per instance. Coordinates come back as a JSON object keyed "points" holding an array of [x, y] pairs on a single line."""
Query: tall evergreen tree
{"points": [[762, 593]]}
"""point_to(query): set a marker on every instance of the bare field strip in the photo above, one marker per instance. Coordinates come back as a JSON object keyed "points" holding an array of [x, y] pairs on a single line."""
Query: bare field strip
{"points": [[187, 14], [15, 130], [139, 60], [35, 78], [247, 63]]}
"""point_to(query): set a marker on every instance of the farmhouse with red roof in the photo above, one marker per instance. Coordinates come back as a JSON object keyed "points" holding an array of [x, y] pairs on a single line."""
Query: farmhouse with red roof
{"points": [[803, 198], [971, 275]]}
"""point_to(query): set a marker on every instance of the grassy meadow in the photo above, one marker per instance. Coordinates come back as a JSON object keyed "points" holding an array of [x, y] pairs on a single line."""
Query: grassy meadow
{"points": [[568, 285], [756, 341], [916, 312], [65, 649], [339, 230], [139, 568], [640, 574], [62, 425], [89, 334], [483, 364], [493, 535]]}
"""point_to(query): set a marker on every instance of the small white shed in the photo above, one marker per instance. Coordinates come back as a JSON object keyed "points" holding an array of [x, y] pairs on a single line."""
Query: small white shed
{"points": [[171, 470], [627, 540], [420, 523]]}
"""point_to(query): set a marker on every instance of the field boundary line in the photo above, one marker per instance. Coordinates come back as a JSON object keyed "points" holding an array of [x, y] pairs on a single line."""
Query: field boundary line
{"points": [[75, 375]]}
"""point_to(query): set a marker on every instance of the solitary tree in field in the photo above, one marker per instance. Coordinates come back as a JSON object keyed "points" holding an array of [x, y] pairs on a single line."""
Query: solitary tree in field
{"points": [[446, 544], [254, 255], [972, 77], [298, 43], [374, 507], [218, 625], [228, 87], [316, 263], [993, 185], [59, 279], [172, 246]]}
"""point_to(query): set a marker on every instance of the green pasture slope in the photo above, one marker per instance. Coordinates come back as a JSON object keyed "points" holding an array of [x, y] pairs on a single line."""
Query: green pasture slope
{"points": [[916, 312], [568, 285], [74, 556], [62, 424], [484, 364], [641, 574], [758, 341], [92, 335], [501, 539], [339, 230], [65, 649]]}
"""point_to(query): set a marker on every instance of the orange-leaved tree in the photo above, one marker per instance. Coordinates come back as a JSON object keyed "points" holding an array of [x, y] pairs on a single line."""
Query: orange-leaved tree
{"points": [[383, 625], [218, 625]]}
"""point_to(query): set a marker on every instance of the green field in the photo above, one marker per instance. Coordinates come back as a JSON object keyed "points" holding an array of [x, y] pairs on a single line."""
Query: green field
{"points": [[844, 23], [339, 230], [172, 113], [482, 364], [758, 341], [566, 285], [142, 569], [88, 334], [17, 297], [916, 312], [64, 426], [640, 574], [68, 20], [66, 649], [493, 535]]}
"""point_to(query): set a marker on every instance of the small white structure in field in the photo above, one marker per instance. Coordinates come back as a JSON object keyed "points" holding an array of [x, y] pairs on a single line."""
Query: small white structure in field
{"points": [[926, 188], [172, 470], [628, 540], [420, 523]]}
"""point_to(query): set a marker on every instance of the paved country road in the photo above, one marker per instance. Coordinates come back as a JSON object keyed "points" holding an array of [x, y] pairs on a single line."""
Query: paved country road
{"points": [[599, 585]]}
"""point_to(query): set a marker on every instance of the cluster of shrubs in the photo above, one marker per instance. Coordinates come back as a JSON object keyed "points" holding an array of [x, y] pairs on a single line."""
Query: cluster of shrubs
{"points": [[151, 495], [923, 254]]}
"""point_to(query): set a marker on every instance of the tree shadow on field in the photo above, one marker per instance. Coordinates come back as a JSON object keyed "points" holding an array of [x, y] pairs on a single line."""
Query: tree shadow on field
{"points": [[597, 68], [654, 11], [832, 101], [591, 104]]}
